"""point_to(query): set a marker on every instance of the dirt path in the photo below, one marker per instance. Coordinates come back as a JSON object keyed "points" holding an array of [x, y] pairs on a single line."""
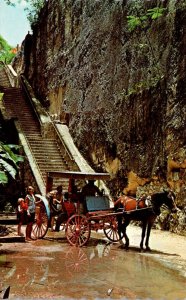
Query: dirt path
{"points": [[166, 247], [163, 241]]}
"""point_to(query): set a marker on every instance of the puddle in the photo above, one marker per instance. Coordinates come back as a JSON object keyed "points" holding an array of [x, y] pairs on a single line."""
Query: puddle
{"points": [[51, 269]]}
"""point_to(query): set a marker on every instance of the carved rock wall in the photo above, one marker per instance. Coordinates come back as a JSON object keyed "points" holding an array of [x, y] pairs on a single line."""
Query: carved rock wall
{"points": [[124, 91]]}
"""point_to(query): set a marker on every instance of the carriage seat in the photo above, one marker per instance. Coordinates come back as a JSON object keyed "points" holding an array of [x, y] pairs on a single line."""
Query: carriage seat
{"points": [[97, 203]]}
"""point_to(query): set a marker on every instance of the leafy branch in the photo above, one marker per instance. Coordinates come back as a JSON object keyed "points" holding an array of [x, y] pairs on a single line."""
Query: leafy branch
{"points": [[140, 21], [9, 162]]}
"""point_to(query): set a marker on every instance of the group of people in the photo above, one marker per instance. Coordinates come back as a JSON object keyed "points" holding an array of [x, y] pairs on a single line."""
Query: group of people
{"points": [[68, 201], [62, 205], [26, 212]]}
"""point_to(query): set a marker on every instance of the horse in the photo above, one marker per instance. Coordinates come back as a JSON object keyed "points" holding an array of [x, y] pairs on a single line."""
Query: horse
{"points": [[146, 210]]}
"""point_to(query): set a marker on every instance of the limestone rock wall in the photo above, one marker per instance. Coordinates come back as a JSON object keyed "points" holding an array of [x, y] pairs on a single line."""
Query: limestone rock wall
{"points": [[124, 92]]}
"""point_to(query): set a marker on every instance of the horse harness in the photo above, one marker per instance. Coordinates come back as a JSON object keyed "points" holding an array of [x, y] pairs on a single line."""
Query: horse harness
{"points": [[133, 204]]}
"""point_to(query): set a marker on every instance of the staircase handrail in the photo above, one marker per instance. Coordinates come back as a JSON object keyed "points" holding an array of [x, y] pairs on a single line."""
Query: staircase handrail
{"points": [[25, 85], [28, 94], [31, 156], [61, 140], [12, 75]]}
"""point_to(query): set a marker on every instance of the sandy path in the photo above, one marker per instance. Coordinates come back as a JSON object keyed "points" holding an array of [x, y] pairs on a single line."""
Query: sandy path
{"points": [[162, 241]]}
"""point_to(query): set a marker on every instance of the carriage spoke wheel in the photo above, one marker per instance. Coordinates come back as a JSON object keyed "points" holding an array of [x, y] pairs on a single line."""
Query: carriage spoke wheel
{"points": [[78, 230], [40, 226], [111, 229]]}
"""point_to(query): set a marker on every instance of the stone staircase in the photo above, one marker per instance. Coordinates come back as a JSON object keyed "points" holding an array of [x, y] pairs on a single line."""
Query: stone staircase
{"points": [[4, 81], [48, 146], [46, 151]]}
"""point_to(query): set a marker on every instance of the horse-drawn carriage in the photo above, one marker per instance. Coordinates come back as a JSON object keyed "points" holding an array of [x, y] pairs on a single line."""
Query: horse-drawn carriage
{"points": [[99, 212]]}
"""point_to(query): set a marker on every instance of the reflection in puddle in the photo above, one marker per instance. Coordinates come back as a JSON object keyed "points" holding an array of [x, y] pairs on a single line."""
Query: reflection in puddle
{"points": [[76, 263], [54, 270]]}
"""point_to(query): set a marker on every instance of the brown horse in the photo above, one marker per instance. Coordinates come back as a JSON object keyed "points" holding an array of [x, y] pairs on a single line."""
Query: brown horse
{"points": [[145, 210]]}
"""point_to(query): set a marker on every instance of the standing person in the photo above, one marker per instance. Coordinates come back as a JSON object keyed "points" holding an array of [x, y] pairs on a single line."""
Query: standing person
{"points": [[55, 199], [30, 200], [55, 207], [59, 194], [21, 214]]}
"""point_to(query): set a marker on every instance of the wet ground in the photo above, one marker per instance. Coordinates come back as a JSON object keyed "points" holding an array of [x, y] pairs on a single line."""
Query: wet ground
{"points": [[52, 269]]}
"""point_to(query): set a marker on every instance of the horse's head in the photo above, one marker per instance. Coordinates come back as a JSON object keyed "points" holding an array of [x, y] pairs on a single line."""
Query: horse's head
{"points": [[169, 201]]}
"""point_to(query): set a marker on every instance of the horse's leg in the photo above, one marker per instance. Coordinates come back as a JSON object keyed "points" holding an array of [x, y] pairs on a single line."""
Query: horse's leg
{"points": [[150, 223], [123, 229], [119, 220], [147, 237], [144, 226]]}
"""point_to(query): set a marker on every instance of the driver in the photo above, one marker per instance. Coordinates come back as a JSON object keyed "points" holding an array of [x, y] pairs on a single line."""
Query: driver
{"points": [[90, 189]]}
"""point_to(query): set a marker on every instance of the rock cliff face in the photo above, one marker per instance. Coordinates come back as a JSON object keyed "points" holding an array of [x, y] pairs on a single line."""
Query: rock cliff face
{"points": [[124, 91]]}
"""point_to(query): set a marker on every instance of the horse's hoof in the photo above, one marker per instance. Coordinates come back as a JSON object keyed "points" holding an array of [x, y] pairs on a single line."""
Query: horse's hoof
{"points": [[148, 249], [126, 247]]}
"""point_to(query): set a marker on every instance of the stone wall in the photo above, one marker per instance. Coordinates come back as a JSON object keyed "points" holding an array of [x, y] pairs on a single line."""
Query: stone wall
{"points": [[124, 91]]}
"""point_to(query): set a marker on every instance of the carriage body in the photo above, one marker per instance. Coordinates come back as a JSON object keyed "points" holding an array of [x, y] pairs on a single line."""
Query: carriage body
{"points": [[98, 215]]}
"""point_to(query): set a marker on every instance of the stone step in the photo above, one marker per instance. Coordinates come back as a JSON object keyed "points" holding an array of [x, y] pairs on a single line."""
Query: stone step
{"points": [[38, 139], [49, 145], [51, 162]]}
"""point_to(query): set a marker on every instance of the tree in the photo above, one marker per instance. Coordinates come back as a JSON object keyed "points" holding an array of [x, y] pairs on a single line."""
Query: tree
{"points": [[7, 53], [9, 162], [34, 9]]}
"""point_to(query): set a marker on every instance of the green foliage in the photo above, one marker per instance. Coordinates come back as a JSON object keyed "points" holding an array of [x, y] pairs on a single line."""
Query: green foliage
{"points": [[3, 177], [6, 51], [155, 13], [34, 9], [1, 96], [9, 162], [134, 22], [141, 21]]}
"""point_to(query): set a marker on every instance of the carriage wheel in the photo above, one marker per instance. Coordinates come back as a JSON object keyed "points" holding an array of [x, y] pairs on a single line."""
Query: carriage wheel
{"points": [[40, 226], [111, 229], [78, 230]]}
